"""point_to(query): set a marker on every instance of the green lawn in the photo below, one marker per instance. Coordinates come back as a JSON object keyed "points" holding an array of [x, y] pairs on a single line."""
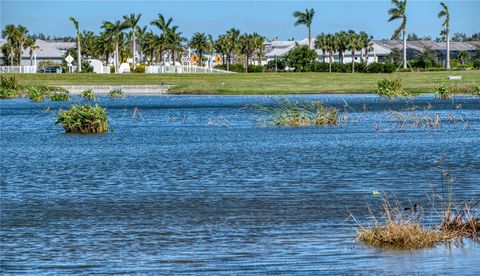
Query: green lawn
{"points": [[266, 83]]}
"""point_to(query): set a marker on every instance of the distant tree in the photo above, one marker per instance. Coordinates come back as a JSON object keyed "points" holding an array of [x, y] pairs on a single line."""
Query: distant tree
{"points": [[399, 12], [353, 43], [446, 24], [232, 41], [305, 18], [79, 55], [321, 44], [114, 30], [132, 22], [460, 37], [426, 59], [300, 57], [395, 56], [247, 47], [259, 42], [199, 42], [463, 56], [30, 44]]}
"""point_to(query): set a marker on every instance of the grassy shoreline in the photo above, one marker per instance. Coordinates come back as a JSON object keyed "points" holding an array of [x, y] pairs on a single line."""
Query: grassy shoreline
{"points": [[265, 83]]}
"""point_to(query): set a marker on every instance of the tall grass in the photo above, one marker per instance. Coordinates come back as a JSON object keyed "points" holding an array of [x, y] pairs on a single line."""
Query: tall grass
{"points": [[116, 94], [287, 113], [88, 95], [390, 88], [84, 119]]}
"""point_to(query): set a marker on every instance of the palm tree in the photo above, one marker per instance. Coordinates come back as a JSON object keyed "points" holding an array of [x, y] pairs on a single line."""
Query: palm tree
{"points": [[174, 41], [162, 24], [342, 40], [132, 22], [199, 42], [140, 35], [259, 42], [366, 43], [353, 43], [247, 47], [232, 40], [399, 12], [221, 46], [331, 46], [463, 56], [30, 43], [9, 32], [114, 30], [321, 43], [446, 31], [21, 35], [79, 55], [305, 18]]}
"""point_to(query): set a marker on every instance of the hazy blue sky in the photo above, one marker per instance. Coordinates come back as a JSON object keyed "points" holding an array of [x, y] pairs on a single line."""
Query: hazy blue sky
{"points": [[269, 18]]}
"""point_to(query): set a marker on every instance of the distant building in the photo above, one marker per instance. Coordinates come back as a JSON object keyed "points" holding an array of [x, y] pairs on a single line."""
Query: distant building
{"points": [[381, 50], [48, 51]]}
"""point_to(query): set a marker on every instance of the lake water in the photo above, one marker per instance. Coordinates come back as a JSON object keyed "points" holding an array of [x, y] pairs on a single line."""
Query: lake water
{"points": [[203, 184]]}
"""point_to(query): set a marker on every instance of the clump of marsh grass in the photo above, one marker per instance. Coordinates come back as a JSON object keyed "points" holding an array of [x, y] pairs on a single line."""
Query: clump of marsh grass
{"points": [[442, 91], [116, 93], [84, 119], [9, 88], [88, 95], [287, 113], [390, 88], [401, 228]]}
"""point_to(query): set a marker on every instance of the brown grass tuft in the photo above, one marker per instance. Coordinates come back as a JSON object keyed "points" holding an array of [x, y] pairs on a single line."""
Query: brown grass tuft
{"points": [[401, 236]]}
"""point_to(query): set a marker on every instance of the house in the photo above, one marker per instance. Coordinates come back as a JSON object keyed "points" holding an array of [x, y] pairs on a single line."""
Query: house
{"points": [[52, 51]]}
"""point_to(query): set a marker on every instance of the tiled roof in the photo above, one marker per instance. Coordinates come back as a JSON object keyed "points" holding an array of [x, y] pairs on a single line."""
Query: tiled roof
{"points": [[46, 49]]}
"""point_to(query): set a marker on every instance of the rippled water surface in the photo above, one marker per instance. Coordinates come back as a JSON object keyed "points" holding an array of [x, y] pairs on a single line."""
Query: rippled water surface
{"points": [[204, 184]]}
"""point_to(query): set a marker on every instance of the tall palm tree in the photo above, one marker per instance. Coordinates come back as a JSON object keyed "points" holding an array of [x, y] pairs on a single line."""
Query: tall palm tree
{"points": [[353, 43], [9, 32], [132, 22], [247, 47], [331, 46], [30, 43], [259, 42], [321, 44], [162, 24], [174, 41], [79, 55], [399, 12], [232, 41], [114, 30], [21, 36], [141, 31], [305, 18], [366, 44], [221, 46], [343, 40], [199, 42], [446, 23]]}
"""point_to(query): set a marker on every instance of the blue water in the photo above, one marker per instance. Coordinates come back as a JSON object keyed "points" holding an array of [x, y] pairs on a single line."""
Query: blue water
{"points": [[204, 184]]}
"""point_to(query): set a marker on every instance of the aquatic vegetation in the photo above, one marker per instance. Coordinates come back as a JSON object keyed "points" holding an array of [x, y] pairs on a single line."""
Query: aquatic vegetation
{"points": [[36, 93], [476, 90], [442, 91], [88, 95], [402, 229], [390, 88], [59, 96], [116, 93], [9, 87], [287, 113], [84, 119]]}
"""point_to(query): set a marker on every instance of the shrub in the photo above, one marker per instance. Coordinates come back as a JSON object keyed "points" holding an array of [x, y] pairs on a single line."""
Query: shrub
{"points": [[87, 67], [88, 95], [390, 88], [279, 65], [301, 58], [476, 64], [116, 93], [9, 87], [140, 69], [375, 68], [476, 90], [255, 69], [84, 119], [442, 91], [37, 94], [59, 96]]}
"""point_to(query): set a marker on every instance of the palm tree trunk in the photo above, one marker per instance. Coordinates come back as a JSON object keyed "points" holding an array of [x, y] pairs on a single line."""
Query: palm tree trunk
{"points": [[448, 50], [79, 56], [116, 57], [330, 62], [134, 46], [228, 61], [309, 38], [404, 48], [12, 55], [353, 61], [20, 52], [323, 55], [31, 57]]}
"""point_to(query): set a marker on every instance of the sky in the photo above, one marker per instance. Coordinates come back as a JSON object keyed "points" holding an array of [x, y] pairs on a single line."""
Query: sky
{"points": [[269, 18]]}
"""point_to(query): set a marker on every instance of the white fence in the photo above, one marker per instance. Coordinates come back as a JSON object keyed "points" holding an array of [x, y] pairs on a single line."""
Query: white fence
{"points": [[18, 69], [161, 69]]}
